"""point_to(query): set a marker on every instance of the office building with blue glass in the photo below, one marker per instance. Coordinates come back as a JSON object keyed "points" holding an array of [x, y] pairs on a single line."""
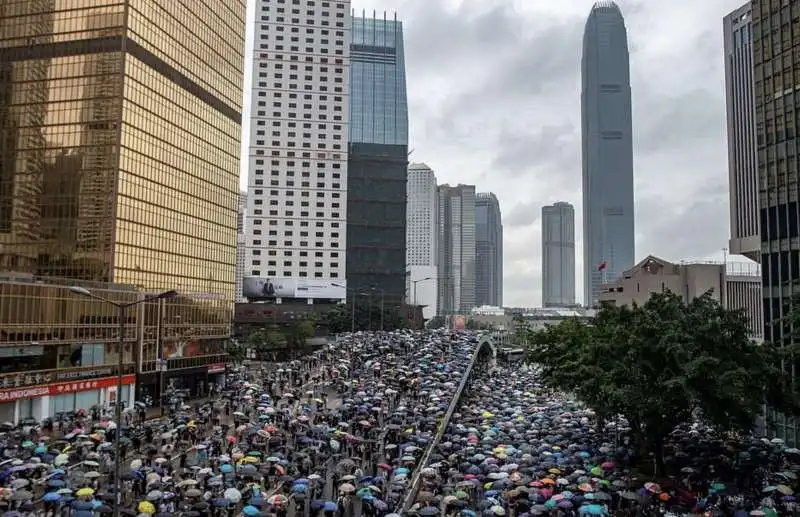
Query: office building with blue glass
{"points": [[377, 159], [607, 141]]}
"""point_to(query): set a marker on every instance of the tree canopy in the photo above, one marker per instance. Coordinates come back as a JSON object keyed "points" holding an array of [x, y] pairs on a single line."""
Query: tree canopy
{"points": [[662, 363]]}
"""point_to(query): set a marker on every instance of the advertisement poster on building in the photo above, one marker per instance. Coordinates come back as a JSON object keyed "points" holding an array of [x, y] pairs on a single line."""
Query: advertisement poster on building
{"points": [[459, 323], [280, 287], [181, 348]]}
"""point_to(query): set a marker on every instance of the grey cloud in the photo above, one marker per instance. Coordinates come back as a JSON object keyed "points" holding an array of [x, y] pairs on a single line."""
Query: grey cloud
{"points": [[520, 288], [697, 227], [445, 38], [551, 154], [688, 119], [522, 214]]}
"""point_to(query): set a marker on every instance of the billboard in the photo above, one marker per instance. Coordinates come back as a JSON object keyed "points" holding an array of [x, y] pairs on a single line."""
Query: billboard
{"points": [[281, 287]]}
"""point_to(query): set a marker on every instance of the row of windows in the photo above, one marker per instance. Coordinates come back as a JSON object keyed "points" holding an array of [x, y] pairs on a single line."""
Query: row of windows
{"points": [[309, 3], [302, 274], [302, 263]]}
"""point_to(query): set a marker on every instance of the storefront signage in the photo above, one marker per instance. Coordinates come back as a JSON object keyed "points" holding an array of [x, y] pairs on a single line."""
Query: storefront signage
{"points": [[83, 374], [34, 379], [216, 368], [63, 388]]}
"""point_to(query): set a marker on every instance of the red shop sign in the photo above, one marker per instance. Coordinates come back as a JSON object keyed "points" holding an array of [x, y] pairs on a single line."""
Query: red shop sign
{"points": [[216, 368], [62, 388]]}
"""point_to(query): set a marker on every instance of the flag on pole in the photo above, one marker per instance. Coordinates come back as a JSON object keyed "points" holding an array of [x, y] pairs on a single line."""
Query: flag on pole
{"points": [[602, 266]]}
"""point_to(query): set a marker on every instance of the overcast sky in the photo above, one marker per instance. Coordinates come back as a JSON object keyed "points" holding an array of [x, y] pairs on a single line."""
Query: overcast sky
{"points": [[494, 100]]}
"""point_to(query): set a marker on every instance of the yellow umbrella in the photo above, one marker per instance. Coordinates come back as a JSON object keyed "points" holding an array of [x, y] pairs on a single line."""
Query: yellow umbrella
{"points": [[84, 492], [487, 414], [147, 507]]}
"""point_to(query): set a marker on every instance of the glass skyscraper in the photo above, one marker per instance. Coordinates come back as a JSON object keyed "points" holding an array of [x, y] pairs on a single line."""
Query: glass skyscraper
{"points": [[378, 104], [488, 250], [120, 124], [607, 140], [377, 159]]}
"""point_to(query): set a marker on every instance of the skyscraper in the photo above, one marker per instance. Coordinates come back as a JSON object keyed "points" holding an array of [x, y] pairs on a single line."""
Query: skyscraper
{"points": [[608, 225], [558, 255], [774, 51], [488, 251], [377, 159], [456, 264], [120, 127], [422, 238], [241, 239], [297, 184], [742, 165]]}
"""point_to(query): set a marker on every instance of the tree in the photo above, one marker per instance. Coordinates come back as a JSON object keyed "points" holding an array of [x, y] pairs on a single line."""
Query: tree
{"points": [[473, 324], [236, 352], [266, 341], [661, 363]]}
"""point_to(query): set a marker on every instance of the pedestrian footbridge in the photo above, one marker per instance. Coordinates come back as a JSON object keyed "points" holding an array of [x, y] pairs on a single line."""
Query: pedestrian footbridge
{"points": [[484, 358]]}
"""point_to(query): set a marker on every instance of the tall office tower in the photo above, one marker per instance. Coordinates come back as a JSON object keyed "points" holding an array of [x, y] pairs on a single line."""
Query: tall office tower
{"points": [[240, 244], [297, 185], [488, 251], [608, 227], [558, 255], [120, 127], [456, 263], [742, 166], [422, 238], [774, 74], [377, 159]]}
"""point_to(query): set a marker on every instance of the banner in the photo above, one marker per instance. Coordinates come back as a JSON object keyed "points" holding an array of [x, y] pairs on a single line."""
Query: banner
{"points": [[256, 287], [62, 388]]}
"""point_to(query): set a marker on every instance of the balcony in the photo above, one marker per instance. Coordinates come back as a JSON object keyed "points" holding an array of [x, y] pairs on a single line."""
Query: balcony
{"points": [[40, 377]]}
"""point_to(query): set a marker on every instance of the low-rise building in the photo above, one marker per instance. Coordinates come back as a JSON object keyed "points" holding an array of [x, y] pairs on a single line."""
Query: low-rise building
{"points": [[736, 286]]}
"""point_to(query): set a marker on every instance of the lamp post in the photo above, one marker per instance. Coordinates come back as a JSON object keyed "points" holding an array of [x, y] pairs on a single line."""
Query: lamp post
{"points": [[415, 282], [122, 312]]}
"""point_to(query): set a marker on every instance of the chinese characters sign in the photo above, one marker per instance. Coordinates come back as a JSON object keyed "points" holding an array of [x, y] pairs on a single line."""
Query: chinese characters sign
{"points": [[63, 388]]}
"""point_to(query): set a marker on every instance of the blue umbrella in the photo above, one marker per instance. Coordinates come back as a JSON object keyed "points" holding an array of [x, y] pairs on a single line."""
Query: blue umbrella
{"points": [[56, 483], [330, 506], [226, 469], [51, 497], [251, 511]]}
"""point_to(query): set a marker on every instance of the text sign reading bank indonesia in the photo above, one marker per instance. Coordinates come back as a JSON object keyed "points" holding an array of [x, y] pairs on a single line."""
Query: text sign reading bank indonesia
{"points": [[274, 287]]}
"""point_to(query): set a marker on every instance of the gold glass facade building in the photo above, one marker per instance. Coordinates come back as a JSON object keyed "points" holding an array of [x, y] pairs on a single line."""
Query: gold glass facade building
{"points": [[120, 125]]}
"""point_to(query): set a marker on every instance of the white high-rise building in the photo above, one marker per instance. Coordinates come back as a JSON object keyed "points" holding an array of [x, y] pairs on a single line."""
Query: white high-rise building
{"points": [[240, 246], [297, 183], [558, 255], [422, 232]]}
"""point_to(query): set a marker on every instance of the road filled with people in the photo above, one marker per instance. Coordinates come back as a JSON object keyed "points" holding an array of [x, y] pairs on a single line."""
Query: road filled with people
{"points": [[358, 428]]}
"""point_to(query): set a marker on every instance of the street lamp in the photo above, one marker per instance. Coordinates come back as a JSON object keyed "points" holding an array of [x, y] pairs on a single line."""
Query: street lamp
{"points": [[415, 282], [122, 311]]}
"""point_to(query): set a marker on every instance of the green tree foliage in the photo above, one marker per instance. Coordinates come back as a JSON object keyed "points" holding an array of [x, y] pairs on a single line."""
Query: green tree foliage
{"points": [[473, 324], [661, 363], [266, 341], [236, 352]]}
